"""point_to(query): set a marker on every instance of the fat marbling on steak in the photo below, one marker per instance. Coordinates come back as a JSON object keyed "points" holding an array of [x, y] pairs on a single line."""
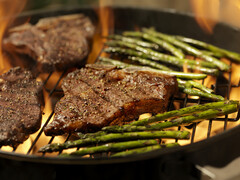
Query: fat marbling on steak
{"points": [[55, 43], [101, 95], [20, 106]]}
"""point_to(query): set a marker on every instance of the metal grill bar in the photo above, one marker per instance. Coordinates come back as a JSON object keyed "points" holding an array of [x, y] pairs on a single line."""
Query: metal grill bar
{"points": [[53, 90]]}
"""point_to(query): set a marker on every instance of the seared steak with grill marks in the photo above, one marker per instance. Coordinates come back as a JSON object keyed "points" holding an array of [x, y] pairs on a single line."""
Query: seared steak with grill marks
{"points": [[54, 43], [101, 95], [20, 106]]}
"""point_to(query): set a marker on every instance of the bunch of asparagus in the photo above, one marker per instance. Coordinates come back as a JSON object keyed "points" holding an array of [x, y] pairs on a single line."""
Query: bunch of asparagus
{"points": [[154, 49], [142, 135]]}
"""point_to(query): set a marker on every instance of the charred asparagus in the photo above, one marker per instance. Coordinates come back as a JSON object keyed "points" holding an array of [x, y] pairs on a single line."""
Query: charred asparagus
{"points": [[113, 147], [115, 137], [207, 114], [144, 149], [190, 49], [182, 111], [216, 50]]}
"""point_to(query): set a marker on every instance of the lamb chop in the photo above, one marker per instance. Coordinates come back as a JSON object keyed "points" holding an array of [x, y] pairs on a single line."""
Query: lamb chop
{"points": [[55, 43], [20, 106], [101, 95]]}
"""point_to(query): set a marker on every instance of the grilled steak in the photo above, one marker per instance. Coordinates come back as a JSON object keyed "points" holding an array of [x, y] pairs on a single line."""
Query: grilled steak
{"points": [[20, 110], [54, 43], [100, 95]]}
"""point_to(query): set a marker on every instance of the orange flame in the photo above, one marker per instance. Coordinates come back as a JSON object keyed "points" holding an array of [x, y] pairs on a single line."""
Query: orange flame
{"points": [[104, 28], [206, 13], [209, 12], [8, 11]]}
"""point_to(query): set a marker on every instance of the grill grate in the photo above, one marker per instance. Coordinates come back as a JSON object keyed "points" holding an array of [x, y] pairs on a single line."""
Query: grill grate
{"points": [[181, 101]]}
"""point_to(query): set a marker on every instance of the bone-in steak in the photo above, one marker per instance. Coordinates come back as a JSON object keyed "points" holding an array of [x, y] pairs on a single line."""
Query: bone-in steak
{"points": [[101, 95], [20, 106], [54, 43]]}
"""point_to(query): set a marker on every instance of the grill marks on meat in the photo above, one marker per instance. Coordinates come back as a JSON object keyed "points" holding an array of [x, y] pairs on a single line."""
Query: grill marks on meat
{"points": [[20, 106], [54, 43], [101, 95]]}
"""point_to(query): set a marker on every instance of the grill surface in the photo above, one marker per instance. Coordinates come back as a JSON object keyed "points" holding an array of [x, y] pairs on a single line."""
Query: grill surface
{"points": [[222, 85]]}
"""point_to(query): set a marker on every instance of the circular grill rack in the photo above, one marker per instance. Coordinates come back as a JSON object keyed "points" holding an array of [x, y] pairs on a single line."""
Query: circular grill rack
{"points": [[194, 151]]}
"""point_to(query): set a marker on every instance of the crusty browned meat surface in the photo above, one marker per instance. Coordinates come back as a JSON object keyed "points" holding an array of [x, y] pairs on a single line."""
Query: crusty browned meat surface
{"points": [[20, 106], [101, 95], [54, 43]]}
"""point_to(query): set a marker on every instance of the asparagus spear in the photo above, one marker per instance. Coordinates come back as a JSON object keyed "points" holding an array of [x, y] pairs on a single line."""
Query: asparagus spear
{"points": [[192, 50], [233, 55], [159, 66], [175, 51], [190, 84], [157, 56], [118, 146], [135, 41], [207, 114], [194, 92], [144, 149], [89, 135], [173, 73], [164, 44], [149, 63], [211, 53], [182, 111], [115, 137]]}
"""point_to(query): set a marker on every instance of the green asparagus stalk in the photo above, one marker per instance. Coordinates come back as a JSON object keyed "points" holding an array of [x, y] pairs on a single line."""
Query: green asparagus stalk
{"points": [[175, 51], [115, 137], [118, 64], [159, 66], [194, 92], [210, 53], [157, 56], [164, 44], [89, 135], [207, 114], [144, 149], [135, 41], [193, 65], [180, 112], [113, 147], [233, 55], [190, 49], [149, 63], [190, 84], [173, 73]]}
